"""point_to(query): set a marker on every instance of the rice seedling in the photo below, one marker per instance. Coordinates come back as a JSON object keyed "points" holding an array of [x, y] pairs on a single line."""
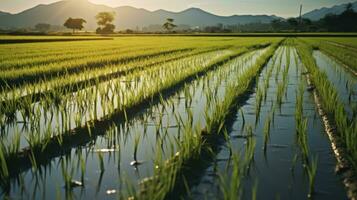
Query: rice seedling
{"points": [[311, 172], [169, 103], [232, 190], [266, 132]]}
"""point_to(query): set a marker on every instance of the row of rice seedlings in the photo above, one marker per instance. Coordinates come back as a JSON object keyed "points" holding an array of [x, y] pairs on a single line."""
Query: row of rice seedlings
{"points": [[261, 93], [30, 61], [52, 95], [230, 183], [35, 50], [310, 166], [342, 53], [301, 124], [194, 144], [282, 85], [49, 71], [343, 81], [66, 56], [162, 128], [167, 82], [269, 74], [329, 99], [21, 51], [110, 71], [279, 66], [116, 87]]}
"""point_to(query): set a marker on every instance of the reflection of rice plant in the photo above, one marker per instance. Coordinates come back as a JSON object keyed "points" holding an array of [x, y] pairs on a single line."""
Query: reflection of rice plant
{"points": [[255, 190], [136, 146], [243, 118], [101, 161]]}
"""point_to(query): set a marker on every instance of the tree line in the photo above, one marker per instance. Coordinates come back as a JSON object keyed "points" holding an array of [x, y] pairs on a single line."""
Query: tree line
{"points": [[104, 21], [344, 22]]}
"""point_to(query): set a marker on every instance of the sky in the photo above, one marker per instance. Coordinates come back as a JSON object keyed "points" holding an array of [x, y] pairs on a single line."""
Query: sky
{"points": [[283, 8]]}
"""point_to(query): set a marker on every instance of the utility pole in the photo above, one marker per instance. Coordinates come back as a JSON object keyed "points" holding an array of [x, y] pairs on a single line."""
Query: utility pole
{"points": [[300, 14]]}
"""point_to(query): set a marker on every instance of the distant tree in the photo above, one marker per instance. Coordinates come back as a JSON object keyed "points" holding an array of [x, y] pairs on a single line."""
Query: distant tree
{"points": [[349, 7], [345, 22], [276, 24], [128, 31], [104, 20], [74, 24], [293, 22], [169, 24], [42, 27], [306, 21]]}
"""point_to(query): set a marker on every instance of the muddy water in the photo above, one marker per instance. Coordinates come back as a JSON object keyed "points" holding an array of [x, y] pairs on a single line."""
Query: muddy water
{"points": [[156, 130], [279, 171], [343, 80]]}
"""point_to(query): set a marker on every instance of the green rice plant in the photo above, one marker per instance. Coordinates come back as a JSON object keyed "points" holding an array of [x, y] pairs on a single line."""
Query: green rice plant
{"points": [[232, 189], [67, 174], [266, 132], [311, 172], [192, 145], [330, 101], [301, 124]]}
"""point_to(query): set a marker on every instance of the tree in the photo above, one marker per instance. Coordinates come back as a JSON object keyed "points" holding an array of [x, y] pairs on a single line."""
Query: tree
{"points": [[345, 22], [293, 22], [42, 27], [276, 24], [74, 23], [104, 20], [349, 7], [169, 24]]}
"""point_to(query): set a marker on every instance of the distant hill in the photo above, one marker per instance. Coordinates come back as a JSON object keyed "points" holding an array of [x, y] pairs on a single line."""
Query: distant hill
{"points": [[317, 14], [126, 17], [4, 13]]}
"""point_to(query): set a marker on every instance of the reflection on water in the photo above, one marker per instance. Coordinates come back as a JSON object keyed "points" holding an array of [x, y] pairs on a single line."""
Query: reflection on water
{"points": [[277, 167], [123, 154], [344, 82]]}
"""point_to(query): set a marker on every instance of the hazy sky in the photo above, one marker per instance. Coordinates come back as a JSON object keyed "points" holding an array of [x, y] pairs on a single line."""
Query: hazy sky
{"points": [[283, 8]]}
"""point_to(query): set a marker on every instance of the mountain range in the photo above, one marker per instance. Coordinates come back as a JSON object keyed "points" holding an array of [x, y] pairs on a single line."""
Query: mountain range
{"points": [[317, 14], [131, 18]]}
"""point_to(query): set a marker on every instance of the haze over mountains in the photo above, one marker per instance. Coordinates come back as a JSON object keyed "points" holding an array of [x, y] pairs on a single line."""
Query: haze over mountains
{"points": [[320, 13], [131, 18]]}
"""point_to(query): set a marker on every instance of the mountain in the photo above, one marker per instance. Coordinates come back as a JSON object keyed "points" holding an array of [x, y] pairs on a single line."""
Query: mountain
{"points": [[192, 17], [4, 13], [54, 14], [322, 12], [126, 16]]}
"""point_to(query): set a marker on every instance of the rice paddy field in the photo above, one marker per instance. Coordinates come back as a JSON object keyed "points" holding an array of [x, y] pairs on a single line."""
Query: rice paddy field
{"points": [[160, 117]]}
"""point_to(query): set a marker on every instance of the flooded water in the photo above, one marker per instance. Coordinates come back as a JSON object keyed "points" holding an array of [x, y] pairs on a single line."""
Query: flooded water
{"points": [[92, 103], [343, 80], [104, 164], [279, 170]]}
